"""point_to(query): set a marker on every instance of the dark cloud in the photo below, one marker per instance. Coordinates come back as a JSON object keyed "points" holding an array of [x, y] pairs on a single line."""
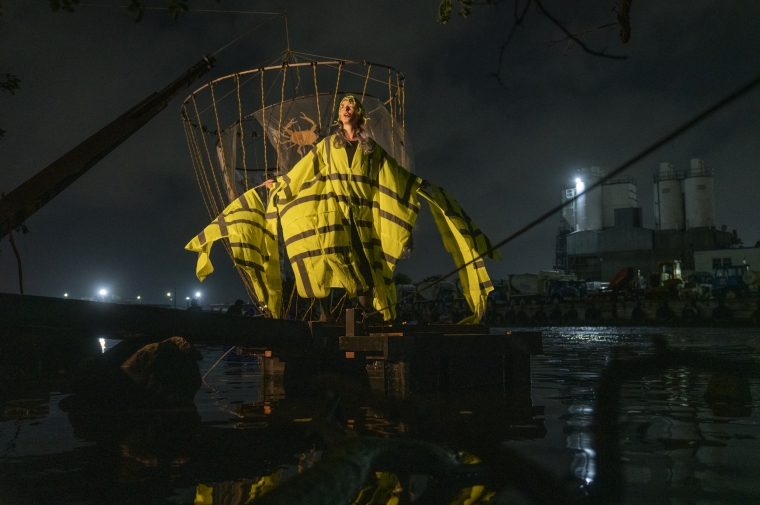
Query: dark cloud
{"points": [[503, 152]]}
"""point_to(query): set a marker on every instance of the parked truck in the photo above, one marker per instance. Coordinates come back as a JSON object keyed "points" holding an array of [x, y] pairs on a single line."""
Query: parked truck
{"points": [[729, 281], [545, 286]]}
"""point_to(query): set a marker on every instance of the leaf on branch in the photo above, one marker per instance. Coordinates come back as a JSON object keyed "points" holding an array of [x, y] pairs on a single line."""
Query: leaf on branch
{"points": [[465, 7], [444, 11], [62, 5], [137, 8], [177, 7], [9, 83]]}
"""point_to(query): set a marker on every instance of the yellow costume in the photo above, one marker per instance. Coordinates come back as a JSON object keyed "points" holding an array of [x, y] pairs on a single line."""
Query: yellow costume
{"points": [[464, 240], [316, 200], [254, 248], [317, 203]]}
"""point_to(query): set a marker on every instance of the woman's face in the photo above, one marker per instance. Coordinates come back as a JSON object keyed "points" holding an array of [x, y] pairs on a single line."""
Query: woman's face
{"points": [[348, 114]]}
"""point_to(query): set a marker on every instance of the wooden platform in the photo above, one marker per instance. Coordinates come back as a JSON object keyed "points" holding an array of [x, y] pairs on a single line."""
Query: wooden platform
{"points": [[414, 357], [405, 362]]}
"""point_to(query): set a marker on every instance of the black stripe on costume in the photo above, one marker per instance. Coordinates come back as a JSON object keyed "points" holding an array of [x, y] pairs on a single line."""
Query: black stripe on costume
{"points": [[390, 259], [222, 225], [202, 237], [415, 210], [244, 202], [397, 220], [300, 236], [305, 278], [311, 198], [311, 233], [246, 245], [288, 193], [397, 197], [381, 161], [352, 271], [262, 284], [251, 223], [409, 185], [255, 211], [486, 284], [363, 202], [362, 223], [327, 153], [249, 264], [315, 153], [320, 252]]}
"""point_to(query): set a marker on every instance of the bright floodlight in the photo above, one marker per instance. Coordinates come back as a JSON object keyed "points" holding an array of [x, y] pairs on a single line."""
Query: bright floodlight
{"points": [[65, 295], [198, 294], [187, 298], [138, 297], [168, 294], [579, 186], [103, 292]]}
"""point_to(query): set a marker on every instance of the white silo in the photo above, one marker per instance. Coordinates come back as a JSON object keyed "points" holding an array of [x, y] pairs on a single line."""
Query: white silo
{"points": [[617, 194], [668, 199], [588, 206], [699, 199]]}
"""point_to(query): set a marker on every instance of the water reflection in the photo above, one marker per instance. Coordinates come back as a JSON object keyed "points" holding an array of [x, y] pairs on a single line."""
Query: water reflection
{"points": [[247, 433]]}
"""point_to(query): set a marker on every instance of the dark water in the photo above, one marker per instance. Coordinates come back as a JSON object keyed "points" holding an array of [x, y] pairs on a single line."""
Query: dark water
{"points": [[246, 433]]}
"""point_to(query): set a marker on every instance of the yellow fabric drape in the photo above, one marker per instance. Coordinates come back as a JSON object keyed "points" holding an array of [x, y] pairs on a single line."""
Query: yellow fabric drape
{"points": [[316, 202], [254, 247], [465, 241]]}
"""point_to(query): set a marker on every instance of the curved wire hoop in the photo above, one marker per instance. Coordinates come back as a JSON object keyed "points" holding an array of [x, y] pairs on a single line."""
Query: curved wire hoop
{"points": [[246, 127]]}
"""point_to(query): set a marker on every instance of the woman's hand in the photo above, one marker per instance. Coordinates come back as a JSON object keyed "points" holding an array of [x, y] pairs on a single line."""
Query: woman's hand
{"points": [[269, 183]]}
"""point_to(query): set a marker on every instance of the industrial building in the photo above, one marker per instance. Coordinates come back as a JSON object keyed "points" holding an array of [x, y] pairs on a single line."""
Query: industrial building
{"points": [[601, 230], [707, 261]]}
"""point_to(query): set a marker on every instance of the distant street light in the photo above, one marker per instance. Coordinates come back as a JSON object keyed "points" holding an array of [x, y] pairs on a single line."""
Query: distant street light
{"points": [[138, 297], [65, 295], [197, 294], [102, 292], [175, 297]]}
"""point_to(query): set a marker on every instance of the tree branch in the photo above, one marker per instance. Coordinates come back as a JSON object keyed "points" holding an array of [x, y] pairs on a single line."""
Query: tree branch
{"points": [[519, 17], [624, 20], [574, 38]]}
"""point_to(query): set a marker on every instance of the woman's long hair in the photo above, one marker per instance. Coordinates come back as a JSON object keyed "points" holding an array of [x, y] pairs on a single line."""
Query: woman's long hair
{"points": [[366, 142]]}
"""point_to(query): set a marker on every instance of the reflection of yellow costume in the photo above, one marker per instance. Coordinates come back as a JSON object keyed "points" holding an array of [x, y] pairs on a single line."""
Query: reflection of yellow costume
{"points": [[315, 203]]}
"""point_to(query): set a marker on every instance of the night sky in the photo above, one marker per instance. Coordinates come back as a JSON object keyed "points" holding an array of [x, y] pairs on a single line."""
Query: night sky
{"points": [[504, 152]]}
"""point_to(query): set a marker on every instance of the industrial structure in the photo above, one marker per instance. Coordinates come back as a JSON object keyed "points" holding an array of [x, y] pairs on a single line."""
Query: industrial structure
{"points": [[601, 231]]}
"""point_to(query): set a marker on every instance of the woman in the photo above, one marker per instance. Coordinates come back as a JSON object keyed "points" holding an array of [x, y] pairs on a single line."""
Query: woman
{"points": [[347, 210]]}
